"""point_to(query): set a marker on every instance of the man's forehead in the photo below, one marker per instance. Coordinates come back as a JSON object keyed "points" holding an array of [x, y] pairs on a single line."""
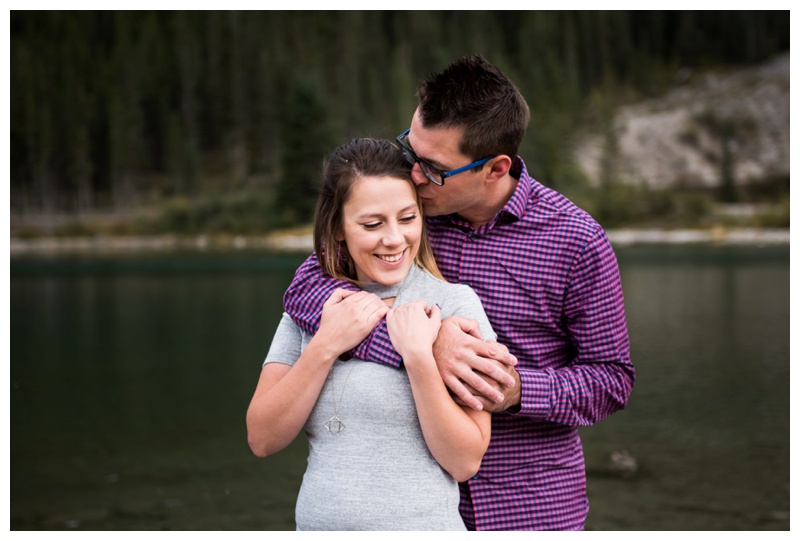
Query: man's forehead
{"points": [[435, 145]]}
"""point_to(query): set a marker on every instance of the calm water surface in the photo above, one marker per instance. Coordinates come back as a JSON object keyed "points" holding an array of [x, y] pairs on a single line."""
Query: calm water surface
{"points": [[131, 375]]}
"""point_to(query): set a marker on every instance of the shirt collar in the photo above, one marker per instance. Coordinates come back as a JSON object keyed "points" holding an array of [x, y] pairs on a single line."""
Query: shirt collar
{"points": [[515, 209]]}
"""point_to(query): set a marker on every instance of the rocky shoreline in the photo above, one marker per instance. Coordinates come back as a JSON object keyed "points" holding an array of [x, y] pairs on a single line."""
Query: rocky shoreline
{"points": [[302, 242]]}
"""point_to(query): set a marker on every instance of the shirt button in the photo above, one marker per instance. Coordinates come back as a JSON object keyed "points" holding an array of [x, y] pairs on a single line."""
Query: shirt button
{"points": [[475, 477]]}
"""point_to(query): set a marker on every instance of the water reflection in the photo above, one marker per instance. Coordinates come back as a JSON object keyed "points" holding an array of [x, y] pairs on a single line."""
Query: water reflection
{"points": [[709, 417], [130, 379]]}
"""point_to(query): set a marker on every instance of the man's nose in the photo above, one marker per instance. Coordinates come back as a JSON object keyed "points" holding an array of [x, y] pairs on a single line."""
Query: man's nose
{"points": [[418, 176]]}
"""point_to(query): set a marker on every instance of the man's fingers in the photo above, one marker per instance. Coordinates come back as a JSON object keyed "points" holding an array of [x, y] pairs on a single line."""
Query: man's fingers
{"points": [[496, 371], [464, 397], [498, 352], [485, 404], [475, 386], [480, 386]]}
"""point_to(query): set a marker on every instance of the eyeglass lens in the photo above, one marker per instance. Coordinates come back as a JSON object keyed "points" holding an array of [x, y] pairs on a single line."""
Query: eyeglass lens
{"points": [[430, 173]]}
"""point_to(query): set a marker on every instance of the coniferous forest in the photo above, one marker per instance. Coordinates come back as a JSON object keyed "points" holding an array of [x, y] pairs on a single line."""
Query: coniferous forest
{"points": [[220, 120]]}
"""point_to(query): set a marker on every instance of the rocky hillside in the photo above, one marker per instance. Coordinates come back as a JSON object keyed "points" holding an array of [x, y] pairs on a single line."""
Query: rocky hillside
{"points": [[737, 121]]}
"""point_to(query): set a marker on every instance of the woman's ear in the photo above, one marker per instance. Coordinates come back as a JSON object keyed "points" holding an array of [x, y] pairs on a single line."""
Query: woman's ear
{"points": [[498, 167], [339, 235]]}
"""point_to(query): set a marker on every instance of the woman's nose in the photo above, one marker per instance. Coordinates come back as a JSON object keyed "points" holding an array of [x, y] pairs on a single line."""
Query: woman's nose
{"points": [[393, 236]]}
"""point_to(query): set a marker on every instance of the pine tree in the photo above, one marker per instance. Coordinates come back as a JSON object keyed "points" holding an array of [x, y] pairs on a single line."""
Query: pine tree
{"points": [[305, 141]]}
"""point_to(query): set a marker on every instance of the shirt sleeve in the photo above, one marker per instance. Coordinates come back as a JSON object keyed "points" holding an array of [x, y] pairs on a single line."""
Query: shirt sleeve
{"points": [[305, 297], [287, 343], [598, 379], [466, 303]]}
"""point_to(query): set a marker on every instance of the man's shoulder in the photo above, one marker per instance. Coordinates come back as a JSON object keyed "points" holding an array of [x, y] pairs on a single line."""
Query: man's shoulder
{"points": [[546, 200], [553, 213], [549, 209]]}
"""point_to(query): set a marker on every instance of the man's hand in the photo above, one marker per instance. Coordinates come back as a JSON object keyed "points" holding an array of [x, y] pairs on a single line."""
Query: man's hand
{"points": [[512, 395], [468, 364]]}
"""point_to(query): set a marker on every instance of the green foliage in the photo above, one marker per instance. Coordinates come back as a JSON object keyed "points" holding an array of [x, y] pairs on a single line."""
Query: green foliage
{"points": [[305, 140], [616, 205], [778, 217], [105, 104], [237, 213]]}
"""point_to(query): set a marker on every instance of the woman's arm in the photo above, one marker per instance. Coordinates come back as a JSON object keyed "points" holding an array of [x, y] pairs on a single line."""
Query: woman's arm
{"points": [[456, 436], [285, 395], [305, 297]]}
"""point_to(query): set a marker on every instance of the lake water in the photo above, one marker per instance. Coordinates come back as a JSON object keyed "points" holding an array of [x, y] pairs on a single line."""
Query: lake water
{"points": [[131, 375]]}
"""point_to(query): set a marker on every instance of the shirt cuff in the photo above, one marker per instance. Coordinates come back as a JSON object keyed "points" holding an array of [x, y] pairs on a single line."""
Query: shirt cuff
{"points": [[535, 401]]}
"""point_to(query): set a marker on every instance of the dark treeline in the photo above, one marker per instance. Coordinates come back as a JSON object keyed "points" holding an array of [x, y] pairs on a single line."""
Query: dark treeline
{"points": [[112, 110]]}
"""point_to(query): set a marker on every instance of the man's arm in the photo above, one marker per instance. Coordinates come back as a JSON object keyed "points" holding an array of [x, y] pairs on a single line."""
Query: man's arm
{"points": [[305, 297], [594, 384], [599, 379]]}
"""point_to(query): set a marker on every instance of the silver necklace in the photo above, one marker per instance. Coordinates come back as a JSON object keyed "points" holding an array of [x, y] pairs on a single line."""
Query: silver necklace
{"points": [[334, 424]]}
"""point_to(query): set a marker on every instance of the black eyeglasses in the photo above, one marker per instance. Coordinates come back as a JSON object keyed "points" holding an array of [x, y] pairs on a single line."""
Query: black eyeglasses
{"points": [[430, 172]]}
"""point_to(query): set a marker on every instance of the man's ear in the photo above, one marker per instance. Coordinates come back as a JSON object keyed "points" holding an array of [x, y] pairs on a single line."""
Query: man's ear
{"points": [[498, 167]]}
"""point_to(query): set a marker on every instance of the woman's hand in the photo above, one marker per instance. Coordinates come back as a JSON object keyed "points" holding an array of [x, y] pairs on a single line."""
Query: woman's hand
{"points": [[456, 437], [413, 328], [348, 317], [285, 395]]}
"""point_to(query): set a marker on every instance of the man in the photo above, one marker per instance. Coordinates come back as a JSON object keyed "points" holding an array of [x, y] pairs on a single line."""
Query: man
{"points": [[548, 280]]}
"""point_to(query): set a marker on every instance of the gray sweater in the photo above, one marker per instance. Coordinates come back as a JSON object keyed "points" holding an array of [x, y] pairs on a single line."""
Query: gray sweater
{"points": [[377, 473]]}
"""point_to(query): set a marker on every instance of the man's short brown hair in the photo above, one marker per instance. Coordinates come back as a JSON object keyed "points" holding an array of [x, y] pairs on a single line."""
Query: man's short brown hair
{"points": [[473, 94]]}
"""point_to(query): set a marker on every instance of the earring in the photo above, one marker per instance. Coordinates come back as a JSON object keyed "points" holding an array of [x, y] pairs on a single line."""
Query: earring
{"points": [[341, 251]]}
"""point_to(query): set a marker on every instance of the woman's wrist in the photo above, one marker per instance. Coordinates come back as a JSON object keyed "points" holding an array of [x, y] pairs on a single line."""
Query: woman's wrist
{"points": [[421, 365], [323, 350], [417, 356]]}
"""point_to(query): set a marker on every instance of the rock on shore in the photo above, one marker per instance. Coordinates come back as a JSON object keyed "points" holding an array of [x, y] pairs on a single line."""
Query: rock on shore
{"points": [[677, 140]]}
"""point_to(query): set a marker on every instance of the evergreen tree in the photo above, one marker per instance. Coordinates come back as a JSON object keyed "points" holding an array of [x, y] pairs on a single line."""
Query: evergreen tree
{"points": [[305, 141], [106, 106]]}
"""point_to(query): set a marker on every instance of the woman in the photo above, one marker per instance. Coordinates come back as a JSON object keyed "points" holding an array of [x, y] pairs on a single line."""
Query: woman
{"points": [[386, 445]]}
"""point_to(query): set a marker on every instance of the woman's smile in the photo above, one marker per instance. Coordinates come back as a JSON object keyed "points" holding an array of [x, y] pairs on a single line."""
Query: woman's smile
{"points": [[391, 258], [382, 228]]}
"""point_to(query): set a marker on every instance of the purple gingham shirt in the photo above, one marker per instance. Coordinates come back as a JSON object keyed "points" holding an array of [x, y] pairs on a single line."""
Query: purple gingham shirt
{"points": [[549, 282]]}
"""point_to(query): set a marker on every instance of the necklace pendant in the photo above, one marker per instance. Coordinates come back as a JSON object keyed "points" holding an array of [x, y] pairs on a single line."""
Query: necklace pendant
{"points": [[334, 425]]}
